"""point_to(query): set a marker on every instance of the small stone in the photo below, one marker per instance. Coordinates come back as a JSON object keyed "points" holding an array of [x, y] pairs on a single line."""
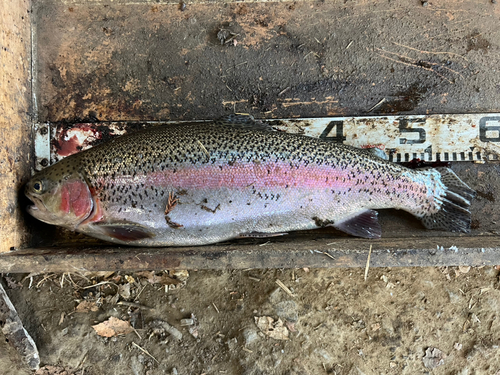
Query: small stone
{"points": [[287, 310], [124, 291], [323, 353], [464, 269], [232, 344], [433, 358], [275, 296], [425, 3], [136, 366], [250, 335]]}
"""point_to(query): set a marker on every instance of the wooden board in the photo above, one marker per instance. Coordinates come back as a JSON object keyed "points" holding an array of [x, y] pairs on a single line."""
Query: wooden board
{"points": [[129, 61], [442, 251], [15, 129], [142, 61]]}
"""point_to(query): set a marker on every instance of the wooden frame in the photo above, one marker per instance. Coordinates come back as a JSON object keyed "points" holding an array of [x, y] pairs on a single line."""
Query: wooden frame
{"points": [[73, 68]]}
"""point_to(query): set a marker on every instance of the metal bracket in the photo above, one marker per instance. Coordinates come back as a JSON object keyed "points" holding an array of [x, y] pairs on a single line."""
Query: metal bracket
{"points": [[41, 136]]}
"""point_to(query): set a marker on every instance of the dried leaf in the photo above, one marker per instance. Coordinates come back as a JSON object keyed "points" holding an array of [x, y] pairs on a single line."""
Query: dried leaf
{"points": [[55, 370], [86, 306], [433, 358], [103, 274], [117, 279], [129, 279], [146, 274], [113, 327], [271, 328], [181, 275], [11, 283], [153, 278]]}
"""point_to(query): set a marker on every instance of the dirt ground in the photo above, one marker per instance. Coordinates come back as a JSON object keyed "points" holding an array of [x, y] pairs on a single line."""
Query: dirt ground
{"points": [[336, 322]]}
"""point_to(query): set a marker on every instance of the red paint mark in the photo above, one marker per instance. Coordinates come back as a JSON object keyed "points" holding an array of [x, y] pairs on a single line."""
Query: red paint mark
{"points": [[72, 140], [380, 146]]}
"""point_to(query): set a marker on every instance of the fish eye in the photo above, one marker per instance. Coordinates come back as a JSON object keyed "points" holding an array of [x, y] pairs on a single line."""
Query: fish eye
{"points": [[38, 186]]}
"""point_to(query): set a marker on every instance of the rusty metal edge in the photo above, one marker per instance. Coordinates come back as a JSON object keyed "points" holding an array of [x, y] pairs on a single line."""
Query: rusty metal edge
{"points": [[323, 253]]}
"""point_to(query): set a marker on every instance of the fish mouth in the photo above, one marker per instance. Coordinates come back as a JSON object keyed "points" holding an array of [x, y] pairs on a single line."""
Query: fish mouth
{"points": [[32, 207], [36, 208]]}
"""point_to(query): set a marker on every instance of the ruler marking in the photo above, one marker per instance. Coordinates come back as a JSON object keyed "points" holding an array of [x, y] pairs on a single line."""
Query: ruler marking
{"points": [[459, 137]]}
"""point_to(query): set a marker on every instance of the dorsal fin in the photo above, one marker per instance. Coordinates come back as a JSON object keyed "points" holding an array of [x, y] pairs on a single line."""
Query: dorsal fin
{"points": [[375, 151], [243, 120]]}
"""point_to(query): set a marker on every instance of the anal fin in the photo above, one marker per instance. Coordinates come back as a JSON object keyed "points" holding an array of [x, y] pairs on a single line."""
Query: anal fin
{"points": [[364, 225]]}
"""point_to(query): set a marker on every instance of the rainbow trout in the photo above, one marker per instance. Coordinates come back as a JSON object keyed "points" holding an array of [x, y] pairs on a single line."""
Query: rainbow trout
{"points": [[202, 183]]}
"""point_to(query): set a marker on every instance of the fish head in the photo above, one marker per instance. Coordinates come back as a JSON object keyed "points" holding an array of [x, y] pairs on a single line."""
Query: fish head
{"points": [[60, 196]]}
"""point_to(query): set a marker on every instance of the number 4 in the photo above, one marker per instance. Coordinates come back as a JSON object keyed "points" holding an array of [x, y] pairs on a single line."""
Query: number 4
{"points": [[339, 132]]}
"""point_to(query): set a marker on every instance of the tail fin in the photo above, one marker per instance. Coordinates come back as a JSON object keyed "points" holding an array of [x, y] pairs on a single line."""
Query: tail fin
{"points": [[454, 214]]}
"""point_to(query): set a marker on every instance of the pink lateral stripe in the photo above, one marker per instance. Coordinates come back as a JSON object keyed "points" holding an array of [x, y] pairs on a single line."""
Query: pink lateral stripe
{"points": [[244, 175]]}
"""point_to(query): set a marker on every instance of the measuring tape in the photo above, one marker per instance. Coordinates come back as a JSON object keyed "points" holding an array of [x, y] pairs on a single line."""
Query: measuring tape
{"points": [[462, 137], [474, 137]]}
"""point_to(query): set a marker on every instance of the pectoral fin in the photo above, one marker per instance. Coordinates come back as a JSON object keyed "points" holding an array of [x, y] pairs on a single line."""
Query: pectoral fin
{"points": [[364, 225], [124, 231]]}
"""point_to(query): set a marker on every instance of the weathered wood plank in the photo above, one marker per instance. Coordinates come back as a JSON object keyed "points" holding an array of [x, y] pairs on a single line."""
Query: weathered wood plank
{"points": [[15, 126], [394, 252]]}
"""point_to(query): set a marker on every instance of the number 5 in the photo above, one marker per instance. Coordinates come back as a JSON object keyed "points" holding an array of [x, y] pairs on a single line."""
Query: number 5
{"points": [[404, 128]]}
